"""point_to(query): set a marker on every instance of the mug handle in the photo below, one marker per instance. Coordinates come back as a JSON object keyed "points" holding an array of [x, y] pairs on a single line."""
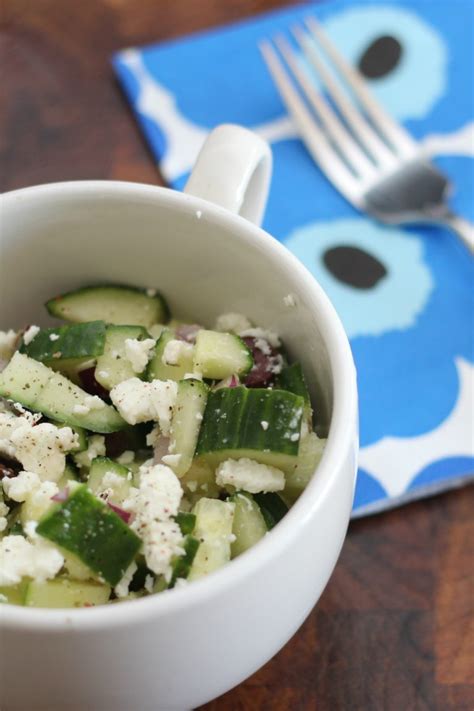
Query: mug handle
{"points": [[233, 170]]}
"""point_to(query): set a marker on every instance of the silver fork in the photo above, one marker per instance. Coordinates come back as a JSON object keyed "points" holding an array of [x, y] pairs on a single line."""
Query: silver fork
{"points": [[369, 158]]}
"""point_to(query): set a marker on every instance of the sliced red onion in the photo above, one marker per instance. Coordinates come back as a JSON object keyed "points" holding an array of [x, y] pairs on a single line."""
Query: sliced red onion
{"points": [[61, 495], [265, 362], [233, 382], [187, 332], [124, 515], [90, 384]]}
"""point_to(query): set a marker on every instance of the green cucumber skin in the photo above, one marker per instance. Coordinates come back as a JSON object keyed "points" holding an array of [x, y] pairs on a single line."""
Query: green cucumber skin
{"points": [[88, 528], [82, 340], [292, 379], [65, 306], [113, 361], [186, 522], [182, 565], [233, 416], [272, 506]]}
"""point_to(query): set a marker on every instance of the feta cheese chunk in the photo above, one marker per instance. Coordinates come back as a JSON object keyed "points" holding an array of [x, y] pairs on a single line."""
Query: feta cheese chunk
{"points": [[3, 515], [232, 322], [153, 505], [42, 448], [39, 560], [176, 352], [121, 589], [250, 476], [19, 487], [30, 334], [261, 333], [139, 352], [139, 401]]}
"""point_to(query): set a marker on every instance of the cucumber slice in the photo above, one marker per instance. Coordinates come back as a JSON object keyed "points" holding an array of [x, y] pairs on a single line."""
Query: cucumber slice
{"points": [[249, 524], [214, 520], [119, 489], [258, 424], [88, 528], [112, 303], [200, 480], [311, 451], [182, 565], [218, 355], [188, 414], [79, 341], [66, 593], [292, 379], [186, 522], [14, 594], [23, 379], [158, 370], [272, 506], [39, 388], [113, 367]]}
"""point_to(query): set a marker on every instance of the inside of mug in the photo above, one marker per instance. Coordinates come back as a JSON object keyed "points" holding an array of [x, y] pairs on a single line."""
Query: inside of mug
{"points": [[55, 239]]}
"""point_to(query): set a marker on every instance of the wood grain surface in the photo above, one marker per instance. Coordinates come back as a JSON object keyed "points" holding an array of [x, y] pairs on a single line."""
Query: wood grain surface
{"points": [[395, 627]]}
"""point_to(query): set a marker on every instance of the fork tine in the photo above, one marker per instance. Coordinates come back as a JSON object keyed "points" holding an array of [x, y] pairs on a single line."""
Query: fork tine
{"points": [[334, 128], [354, 118], [393, 132], [314, 138]]}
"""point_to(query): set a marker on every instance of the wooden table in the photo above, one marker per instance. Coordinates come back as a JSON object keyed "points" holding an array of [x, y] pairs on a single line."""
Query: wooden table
{"points": [[395, 627]]}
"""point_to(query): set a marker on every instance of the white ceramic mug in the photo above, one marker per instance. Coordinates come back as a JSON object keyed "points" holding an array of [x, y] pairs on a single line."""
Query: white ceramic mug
{"points": [[181, 648]]}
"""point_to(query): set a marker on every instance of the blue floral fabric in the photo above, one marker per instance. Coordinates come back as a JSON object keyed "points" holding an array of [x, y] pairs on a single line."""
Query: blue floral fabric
{"points": [[409, 308]]}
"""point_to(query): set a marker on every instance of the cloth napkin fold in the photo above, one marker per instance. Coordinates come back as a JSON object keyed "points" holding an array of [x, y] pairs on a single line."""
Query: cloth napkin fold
{"points": [[405, 295]]}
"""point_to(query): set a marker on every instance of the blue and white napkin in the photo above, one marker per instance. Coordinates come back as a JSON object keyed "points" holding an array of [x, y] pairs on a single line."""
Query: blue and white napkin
{"points": [[407, 302]]}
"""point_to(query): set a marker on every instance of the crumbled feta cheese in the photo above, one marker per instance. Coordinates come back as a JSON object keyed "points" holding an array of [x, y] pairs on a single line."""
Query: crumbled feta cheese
{"points": [[232, 322], [295, 437], [42, 448], [30, 529], [8, 424], [38, 501], [176, 351], [7, 344], [250, 476], [126, 457], [264, 425], [121, 589], [192, 486], [151, 292], [181, 583], [139, 352], [19, 487], [199, 416], [95, 448], [54, 337], [94, 402], [30, 334], [103, 373], [171, 460], [39, 560], [149, 582], [139, 401], [153, 504], [32, 417], [112, 487], [290, 300], [263, 346], [3, 516], [270, 336]]}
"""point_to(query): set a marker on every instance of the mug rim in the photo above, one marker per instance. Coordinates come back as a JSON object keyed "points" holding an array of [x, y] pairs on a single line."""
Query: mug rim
{"points": [[341, 437]]}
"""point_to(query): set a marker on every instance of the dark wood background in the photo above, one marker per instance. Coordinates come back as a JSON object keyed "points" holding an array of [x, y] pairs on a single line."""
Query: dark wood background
{"points": [[395, 627]]}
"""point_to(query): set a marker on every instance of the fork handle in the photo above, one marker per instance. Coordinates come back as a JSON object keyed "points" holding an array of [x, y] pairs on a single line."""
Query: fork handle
{"points": [[463, 228]]}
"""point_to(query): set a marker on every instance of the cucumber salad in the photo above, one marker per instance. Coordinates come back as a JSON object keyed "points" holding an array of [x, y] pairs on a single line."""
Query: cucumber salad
{"points": [[138, 452]]}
